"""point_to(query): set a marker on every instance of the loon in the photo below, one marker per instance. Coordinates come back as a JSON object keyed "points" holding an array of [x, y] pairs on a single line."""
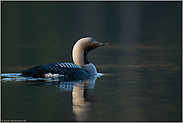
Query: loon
{"points": [[79, 69]]}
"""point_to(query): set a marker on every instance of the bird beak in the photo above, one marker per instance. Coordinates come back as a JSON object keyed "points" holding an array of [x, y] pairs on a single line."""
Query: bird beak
{"points": [[102, 44], [94, 45]]}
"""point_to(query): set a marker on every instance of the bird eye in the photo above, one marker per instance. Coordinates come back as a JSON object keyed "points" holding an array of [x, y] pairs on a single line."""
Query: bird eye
{"points": [[90, 43]]}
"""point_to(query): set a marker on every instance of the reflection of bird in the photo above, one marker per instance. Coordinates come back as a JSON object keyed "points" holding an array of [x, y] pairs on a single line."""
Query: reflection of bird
{"points": [[80, 69], [81, 102]]}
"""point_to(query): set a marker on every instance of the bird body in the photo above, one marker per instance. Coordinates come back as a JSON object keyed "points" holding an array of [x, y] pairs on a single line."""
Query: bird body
{"points": [[79, 69]]}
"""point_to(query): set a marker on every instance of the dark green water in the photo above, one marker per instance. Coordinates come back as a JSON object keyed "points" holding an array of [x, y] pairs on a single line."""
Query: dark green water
{"points": [[142, 64]]}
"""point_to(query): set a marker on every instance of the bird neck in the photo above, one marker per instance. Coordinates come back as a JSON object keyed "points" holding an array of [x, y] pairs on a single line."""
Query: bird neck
{"points": [[81, 60], [79, 56]]}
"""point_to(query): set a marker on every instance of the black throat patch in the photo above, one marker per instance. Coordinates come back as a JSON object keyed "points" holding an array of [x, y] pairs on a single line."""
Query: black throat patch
{"points": [[85, 57]]}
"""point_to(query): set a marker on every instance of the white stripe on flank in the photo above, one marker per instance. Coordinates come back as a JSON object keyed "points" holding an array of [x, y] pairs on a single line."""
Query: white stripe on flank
{"points": [[72, 65], [63, 64], [58, 64], [69, 65], [76, 66]]}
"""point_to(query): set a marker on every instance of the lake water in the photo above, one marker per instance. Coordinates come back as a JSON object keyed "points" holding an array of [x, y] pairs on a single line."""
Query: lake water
{"points": [[141, 67]]}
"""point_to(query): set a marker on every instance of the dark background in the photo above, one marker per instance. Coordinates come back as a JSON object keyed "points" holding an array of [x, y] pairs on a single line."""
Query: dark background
{"points": [[142, 64]]}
